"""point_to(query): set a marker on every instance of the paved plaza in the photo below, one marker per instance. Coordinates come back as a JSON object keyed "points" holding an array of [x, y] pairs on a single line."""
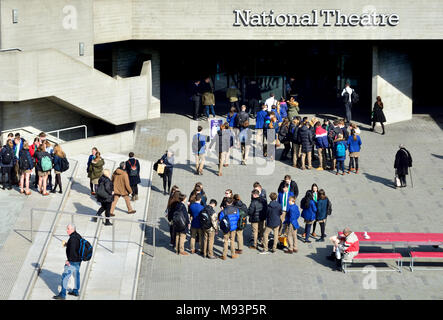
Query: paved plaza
{"points": [[364, 202]]}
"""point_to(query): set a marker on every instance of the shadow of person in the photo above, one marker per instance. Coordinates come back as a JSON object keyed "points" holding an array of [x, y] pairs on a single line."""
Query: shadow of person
{"points": [[80, 208], [386, 182], [51, 279], [78, 187], [437, 156]]}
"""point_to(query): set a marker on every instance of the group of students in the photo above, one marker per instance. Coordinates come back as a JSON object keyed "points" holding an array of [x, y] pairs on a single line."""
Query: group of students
{"points": [[18, 158], [198, 217], [108, 189]]}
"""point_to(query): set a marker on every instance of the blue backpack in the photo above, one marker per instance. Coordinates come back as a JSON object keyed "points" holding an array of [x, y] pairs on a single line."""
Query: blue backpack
{"points": [[85, 250], [341, 150]]}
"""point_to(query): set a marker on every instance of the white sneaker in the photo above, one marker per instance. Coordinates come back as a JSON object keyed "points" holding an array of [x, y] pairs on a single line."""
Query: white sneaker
{"points": [[264, 252]]}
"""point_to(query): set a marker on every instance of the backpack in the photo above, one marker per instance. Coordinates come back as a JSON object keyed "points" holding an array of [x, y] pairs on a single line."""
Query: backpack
{"points": [[225, 224], [23, 163], [242, 220], [133, 169], [64, 164], [341, 150], [46, 163], [101, 191], [205, 219], [354, 97], [7, 156], [178, 221], [85, 250]]}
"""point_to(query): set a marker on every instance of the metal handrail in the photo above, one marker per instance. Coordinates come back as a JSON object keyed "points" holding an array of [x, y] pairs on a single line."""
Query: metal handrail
{"points": [[10, 49], [70, 128], [26, 130], [142, 236], [42, 256]]}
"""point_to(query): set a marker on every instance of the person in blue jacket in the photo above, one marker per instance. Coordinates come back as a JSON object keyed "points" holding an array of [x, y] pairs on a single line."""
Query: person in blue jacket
{"points": [[259, 126], [273, 221], [309, 211], [291, 221], [324, 209], [340, 147], [234, 215], [354, 145], [194, 211]]}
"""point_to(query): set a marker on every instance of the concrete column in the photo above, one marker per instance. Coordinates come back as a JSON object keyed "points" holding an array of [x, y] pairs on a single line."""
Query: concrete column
{"points": [[392, 81]]}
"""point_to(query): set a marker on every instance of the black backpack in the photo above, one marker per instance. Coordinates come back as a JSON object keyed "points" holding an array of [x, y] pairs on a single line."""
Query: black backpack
{"points": [[7, 156], [354, 97], [101, 191], [85, 250], [23, 162], [178, 221], [205, 219], [225, 224], [64, 164]]}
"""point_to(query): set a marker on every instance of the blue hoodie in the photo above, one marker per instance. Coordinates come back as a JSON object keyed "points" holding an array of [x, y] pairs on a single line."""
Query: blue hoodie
{"points": [[292, 216], [354, 145], [260, 120], [309, 214], [194, 211], [231, 119]]}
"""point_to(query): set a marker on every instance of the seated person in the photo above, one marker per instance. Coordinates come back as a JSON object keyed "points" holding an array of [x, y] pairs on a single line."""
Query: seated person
{"points": [[346, 247]]}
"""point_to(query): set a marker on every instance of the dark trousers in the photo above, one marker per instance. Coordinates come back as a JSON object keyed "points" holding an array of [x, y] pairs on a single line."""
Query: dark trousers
{"points": [[322, 228], [172, 233], [307, 231], [340, 165], [58, 181], [91, 186], [106, 207], [134, 189], [196, 107], [351, 163], [36, 177], [167, 178], [285, 152], [382, 126], [348, 107], [49, 186], [253, 107], [6, 176], [402, 180]]}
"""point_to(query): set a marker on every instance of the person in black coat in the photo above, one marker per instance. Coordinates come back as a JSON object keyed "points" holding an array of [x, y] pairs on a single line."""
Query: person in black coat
{"points": [[168, 160], [257, 216], [7, 162], [253, 94], [105, 191], [196, 98], [272, 222], [378, 115], [403, 161], [292, 185], [132, 167], [306, 142], [180, 236]]}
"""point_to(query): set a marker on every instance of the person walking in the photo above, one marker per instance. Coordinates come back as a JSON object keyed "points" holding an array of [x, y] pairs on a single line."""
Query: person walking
{"points": [[245, 138], [59, 155], [340, 153], [8, 161], [122, 188], [308, 213], [180, 234], [208, 98], [209, 234], [291, 221], [378, 115], [72, 264], [26, 164], [239, 232], [324, 209], [132, 166], [105, 192], [257, 212], [44, 167], [90, 158], [96, 170], [273, 221], [403, 161], [229, 237], [354, 145], [169, 212], [196, 231], [349, 97], [168, 160], [199, 149], [224, 141]]}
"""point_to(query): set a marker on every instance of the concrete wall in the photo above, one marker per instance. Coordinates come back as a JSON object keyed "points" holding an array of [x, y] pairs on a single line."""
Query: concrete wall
{"points": [[112, 20], [48, 24], [392, 81]]}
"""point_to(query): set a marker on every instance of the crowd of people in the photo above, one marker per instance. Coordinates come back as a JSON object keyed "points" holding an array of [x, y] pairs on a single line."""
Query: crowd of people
{"points": [[199, 218], [19, 158]]}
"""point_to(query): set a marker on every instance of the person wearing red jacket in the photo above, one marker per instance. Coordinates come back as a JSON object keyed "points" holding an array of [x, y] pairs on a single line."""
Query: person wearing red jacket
{"points": [[346, 247]]}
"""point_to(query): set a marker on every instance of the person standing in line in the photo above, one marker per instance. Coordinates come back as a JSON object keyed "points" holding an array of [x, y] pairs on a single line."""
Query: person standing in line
{"points": [[273, 221], [233, 215], [283, 108], [308, 213], [347, 94], [168, 160], [295, 125], [196, 231], [199, 149], [378, 115], [18, 146], [132, 166], [233, 94], [169, 212], [306, 141], [271, 101], [95, 170], [259, 129], [8, 160], [232, 120], [321, 141], [59, 154], [284, 138], [239, 233], [50, 150], [403, 161], [324, 209], [195, 98], [340, 153], [122, 188], [253, 94], [72, 264], [257, 216], [245, 138], [26, 164], [90, 158], [44, 166], [209, 234], [180, 235], [354, 145], [293, 108], [32, 150], [283, 200], [291, 221], [208, 98], [105, 192]]}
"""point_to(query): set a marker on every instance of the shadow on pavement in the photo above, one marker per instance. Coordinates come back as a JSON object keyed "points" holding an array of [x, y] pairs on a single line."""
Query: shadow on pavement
{"points": [[51, 279], [386, 182], [437, 156]]}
